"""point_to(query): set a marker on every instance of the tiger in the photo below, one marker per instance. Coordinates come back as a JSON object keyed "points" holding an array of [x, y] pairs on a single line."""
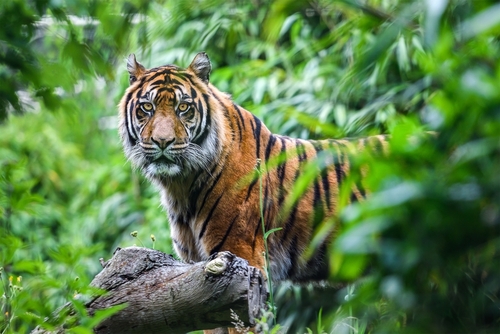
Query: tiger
{"points": [[203, 152]]}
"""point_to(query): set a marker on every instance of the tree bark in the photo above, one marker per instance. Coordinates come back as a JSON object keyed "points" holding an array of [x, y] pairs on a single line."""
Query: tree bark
{"points": [[167, 296]]}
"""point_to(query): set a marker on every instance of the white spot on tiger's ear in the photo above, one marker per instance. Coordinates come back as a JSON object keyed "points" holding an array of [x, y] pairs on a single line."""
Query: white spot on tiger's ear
{"points": [[201, 66], [134, 68]]}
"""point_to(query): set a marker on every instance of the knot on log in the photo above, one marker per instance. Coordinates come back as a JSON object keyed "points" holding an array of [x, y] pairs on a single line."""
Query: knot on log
{"points": [[216, 267]]}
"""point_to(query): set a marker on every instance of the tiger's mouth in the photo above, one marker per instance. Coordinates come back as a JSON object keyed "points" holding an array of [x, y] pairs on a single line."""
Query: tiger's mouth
{"points": [[164, 160], [163, 166]]}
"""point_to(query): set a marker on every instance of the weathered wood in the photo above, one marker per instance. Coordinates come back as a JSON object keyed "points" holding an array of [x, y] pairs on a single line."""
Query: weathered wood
{"points": [[164, 295]]}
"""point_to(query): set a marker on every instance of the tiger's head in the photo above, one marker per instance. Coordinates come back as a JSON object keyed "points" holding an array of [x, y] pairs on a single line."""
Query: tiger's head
{"points": [[170, 122]]}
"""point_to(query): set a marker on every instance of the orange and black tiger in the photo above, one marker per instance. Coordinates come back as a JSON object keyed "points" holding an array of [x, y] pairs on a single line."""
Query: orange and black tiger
{"points": [[199, 148]]}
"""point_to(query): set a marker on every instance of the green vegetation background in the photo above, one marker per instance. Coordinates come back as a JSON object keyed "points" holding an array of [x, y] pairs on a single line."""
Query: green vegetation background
{"points": [[422, 252]]}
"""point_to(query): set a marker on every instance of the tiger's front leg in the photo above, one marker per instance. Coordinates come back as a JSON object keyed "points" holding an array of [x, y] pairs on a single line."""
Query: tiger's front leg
{"points": [[255, 258]]}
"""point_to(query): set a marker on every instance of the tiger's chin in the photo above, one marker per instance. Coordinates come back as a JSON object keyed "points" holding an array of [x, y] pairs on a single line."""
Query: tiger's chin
{"points": [[160, 169]]}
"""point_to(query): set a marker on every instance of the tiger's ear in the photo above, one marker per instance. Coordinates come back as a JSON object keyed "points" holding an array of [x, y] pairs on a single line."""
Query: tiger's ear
{"points": [[135, 69], [201, 66]]}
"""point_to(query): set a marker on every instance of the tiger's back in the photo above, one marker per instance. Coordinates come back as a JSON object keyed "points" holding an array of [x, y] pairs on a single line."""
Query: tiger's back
{"points": [[202, 151]]}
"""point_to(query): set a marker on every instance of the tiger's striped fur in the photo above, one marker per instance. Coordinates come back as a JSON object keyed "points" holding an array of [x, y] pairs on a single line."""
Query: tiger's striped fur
{"points": [[199, 148]]}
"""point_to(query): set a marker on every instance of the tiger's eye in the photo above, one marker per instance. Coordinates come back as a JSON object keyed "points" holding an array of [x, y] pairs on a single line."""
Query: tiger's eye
{"points": [[147, 106], [183, 107]]}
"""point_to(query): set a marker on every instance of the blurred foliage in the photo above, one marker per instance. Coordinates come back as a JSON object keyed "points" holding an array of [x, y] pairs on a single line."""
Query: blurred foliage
{"points": [[420, 255], [85, 38]]}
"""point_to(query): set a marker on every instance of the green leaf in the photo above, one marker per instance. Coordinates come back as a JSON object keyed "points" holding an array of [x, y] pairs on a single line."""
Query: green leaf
{"points": [[266, 235]]}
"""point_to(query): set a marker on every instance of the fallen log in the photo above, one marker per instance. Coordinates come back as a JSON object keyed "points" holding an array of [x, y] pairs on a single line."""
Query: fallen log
{"points": [[164, 295]]}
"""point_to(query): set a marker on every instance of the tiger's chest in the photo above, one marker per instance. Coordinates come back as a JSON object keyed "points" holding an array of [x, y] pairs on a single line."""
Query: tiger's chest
{"points": [[183, 231], [185, 242]]}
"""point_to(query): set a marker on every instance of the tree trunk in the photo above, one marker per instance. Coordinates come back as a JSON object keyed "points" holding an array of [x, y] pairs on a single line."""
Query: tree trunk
{"points": [[167, 296]]}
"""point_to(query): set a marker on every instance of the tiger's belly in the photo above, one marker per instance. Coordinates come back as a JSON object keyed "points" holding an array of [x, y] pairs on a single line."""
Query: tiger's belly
{"points": [[287, 260]]}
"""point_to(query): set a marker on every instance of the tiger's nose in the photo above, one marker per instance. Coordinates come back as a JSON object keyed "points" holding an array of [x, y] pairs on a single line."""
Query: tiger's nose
{"points": [[163, 143]]}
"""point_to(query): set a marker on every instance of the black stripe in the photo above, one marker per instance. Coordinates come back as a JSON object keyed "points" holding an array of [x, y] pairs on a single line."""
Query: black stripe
{"points": [[184, 76], [195, 179], [269, 146], [259, 223], [302, 156], [240, 120], [293, 214], [239, 130], [344, 157], [159, 98], [203, 133], [256, 134], [359, 187], [176, 82], [129, 112], [266, 203], [205, 223], [317, 146], [138, 94], [301, 151], [292, 254], [317, 266], [180, 247], [202, 112], [226, 112], [254, 182], [230, 123], [337, 162], [289, 222], [202, 172], [195, 193], [157, 83], [324, 176], [154, 76], [280, 171], [160, 90], [224, 238], [209, 191], [194, 94], [318, 210], [128, 98], [326, 187]]}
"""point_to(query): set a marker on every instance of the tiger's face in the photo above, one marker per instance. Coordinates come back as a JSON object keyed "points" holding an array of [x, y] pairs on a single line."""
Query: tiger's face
{"points": [[167, 119]]}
